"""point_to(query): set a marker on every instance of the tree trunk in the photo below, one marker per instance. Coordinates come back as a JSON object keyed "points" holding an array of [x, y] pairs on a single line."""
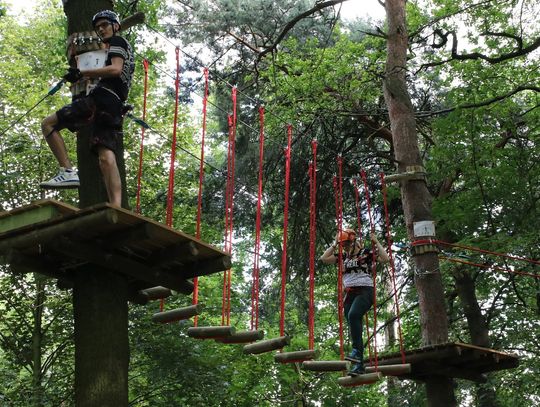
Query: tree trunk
{"points": [[37, 338], [99, 297], [101, 340], [478, 329], [415, 196]]}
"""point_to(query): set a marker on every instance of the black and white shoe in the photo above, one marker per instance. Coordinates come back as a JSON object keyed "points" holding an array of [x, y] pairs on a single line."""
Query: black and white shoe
{"points": [[66, 178]]}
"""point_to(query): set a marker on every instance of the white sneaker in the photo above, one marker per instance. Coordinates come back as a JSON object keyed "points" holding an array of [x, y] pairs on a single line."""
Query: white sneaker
{"points": [[66, 178]]}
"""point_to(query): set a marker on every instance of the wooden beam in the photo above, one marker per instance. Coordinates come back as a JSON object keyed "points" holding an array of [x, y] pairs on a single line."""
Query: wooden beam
{"points": [[21, 263], [49, 233], [185, 252], [156, 293], [326, 365], [143, 231], [360, 380], [243, 337], [295, 357], [177, 314], [267, 345], [203, 268], [210, 332], [119, 264], [390, 370]]}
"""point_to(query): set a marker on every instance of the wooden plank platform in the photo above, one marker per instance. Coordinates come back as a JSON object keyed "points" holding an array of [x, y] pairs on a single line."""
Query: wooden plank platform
{"points": [[454, 359], [149, 253], [38, 211]]}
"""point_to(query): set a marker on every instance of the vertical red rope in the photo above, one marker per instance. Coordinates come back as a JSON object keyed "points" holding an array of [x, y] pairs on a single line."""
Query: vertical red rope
{"points": [[392, 267], [312, 236], [359, 226], [373, 268], [358, 211], [285, 228], [141, 151], [229, 211], [338, 182], [170, 191], [199, 197], [257, 254]]}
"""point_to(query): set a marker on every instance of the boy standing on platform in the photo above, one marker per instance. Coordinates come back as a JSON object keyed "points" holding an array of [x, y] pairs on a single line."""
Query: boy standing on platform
{"points": [[101, 108]]}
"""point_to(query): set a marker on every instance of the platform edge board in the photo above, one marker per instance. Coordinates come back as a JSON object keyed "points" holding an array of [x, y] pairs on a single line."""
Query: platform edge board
{"points": [[133, 216], [48, 231], [28, 217]]}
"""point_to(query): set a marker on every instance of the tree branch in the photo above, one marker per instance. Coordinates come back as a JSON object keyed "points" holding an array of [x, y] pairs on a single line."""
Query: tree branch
{"points": [[290, 25], [480, 104]]}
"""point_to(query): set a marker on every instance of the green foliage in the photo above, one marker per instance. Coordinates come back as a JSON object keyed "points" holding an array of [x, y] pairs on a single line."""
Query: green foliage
{"points": [[326, 80]]}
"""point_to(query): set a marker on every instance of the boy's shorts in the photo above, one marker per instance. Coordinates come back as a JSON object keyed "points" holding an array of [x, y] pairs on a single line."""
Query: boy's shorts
{"points": [[102, 111]]}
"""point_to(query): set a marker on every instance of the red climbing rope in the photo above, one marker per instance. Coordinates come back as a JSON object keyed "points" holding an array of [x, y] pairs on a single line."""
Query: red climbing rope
{"points": [[201, 179], [489, 266], [392, 267], [338, 191], [476, 249], [358, 211], [257, 251], [141, 151], [312, 237], [359, 226], [170, 191], [229, 210], [373, 268], [285, 228]]}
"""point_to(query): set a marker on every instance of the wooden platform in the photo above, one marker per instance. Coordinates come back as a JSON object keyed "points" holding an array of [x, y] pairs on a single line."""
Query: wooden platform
{"points": [[457, 360], [55, 239]]}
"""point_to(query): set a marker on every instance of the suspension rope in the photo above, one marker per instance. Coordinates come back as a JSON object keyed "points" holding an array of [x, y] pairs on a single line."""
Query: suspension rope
{"points": [[285, 228], [312, 237], [143, 129], [476, 249], [392, 266], [489, 266], [358, 211], [50, 92], [339, 221], [373, 267], [199, 196], [257, 253], [359, 226], [229, 210], [170, 190]]}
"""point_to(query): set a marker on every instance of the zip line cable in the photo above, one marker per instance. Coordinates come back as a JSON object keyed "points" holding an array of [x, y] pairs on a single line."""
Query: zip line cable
{"points": [[51, 92]]}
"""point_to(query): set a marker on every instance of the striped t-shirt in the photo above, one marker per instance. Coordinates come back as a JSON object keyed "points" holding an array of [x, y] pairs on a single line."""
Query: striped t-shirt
{"points": [[357, 269]]}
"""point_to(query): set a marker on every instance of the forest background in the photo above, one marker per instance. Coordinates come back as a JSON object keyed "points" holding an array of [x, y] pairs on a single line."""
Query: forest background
{"points": [[476, 98]]}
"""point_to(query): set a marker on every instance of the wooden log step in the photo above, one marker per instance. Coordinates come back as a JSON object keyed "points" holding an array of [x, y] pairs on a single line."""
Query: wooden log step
{"points": [[210, 332], [177, 314], [360, 380], [267, 345], [243, 337], [390, 370], [326, 365], [156, 293], [295, 357]]}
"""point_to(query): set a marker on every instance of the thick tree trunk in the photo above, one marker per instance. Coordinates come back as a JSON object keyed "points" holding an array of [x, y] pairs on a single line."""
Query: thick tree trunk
{"points": [[478, 329], [99, 296], [101, 340], [37, 339], [415, 196]]}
